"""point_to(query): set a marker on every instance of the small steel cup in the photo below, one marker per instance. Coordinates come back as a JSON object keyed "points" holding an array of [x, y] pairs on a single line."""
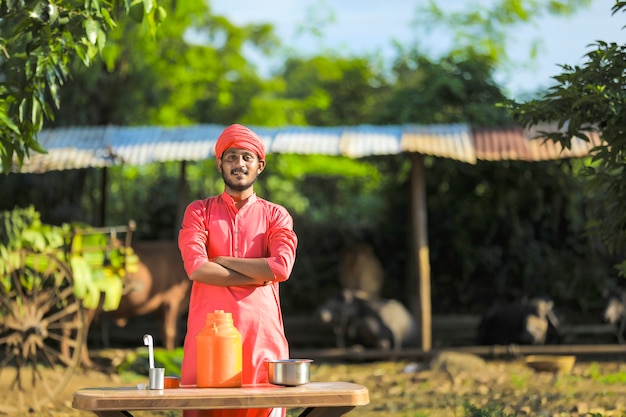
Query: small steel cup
{"points": [[156, 378]]}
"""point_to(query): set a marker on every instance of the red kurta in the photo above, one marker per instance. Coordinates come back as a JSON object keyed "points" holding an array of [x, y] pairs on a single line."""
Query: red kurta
{"points": [[261, 229]]}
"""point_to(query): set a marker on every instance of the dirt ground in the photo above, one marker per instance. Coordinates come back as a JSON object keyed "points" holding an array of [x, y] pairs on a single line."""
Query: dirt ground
{"points": [[438, 388]]}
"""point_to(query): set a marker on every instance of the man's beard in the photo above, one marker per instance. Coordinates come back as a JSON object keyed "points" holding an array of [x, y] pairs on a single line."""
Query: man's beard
{"points": [[239, 187]]}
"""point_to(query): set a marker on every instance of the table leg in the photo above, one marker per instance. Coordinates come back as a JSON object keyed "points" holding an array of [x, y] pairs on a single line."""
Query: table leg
{"points": [[326, 411], [112, 413]]}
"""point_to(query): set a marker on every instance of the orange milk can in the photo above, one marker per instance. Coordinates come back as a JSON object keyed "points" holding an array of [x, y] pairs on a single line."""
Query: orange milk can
{"points": [[219, 352]]}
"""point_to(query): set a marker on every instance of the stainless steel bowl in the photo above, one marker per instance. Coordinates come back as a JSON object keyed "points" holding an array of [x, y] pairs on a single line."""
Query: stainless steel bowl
{"points": [[289, 372]]}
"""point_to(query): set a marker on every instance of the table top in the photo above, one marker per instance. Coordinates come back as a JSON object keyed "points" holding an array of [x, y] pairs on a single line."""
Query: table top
{"points": [[313, 394]]}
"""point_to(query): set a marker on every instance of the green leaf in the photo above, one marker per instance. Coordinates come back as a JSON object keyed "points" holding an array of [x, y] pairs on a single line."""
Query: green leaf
{"points": [[160, 15], [8, 122], [148, 5], [82, 276], [136, 12], [36, 146], [110, 55], [35, 115], [91, 29], [77, 244], [92, 297], [107, 18], [116, 258], [113, 291], [35, 240]]}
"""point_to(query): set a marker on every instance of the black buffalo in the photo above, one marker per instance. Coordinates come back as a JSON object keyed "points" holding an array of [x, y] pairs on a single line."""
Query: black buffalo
{"points": [[526, 322], [370, 322]]}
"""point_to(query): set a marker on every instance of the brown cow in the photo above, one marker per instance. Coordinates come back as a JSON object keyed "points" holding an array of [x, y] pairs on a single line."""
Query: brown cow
{"points": [[361, 270], [160, 286]]}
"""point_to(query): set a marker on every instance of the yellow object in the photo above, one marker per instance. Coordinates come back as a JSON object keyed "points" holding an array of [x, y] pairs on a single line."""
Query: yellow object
{"points": [[561, 364]]}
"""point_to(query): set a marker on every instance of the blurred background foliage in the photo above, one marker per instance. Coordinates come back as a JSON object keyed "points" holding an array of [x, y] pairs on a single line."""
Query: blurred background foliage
{"points": [[496, 229]]}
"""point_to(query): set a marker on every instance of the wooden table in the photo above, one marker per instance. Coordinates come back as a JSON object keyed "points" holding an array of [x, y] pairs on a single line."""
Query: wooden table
{"points": [[329, 399]]}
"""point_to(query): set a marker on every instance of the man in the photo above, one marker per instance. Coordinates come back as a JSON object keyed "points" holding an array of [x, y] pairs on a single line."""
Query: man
{"points": [[237, 248]]}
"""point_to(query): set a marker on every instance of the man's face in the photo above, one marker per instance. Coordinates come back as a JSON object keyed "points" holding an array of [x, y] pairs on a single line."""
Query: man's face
{"points": [[239, 168]]}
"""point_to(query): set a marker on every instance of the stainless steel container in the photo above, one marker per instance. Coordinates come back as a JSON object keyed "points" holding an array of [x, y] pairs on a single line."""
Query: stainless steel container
{"points": [[156, 377], [289, 372]]}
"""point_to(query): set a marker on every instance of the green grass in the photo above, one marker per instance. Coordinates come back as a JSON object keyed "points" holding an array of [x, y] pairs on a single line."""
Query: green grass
{"points": [[490, 410], [607, 379], [519, 381]]}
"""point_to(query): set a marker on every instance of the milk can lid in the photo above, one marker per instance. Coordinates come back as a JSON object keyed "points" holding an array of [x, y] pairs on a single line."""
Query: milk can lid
{"points": [[218, 315]]}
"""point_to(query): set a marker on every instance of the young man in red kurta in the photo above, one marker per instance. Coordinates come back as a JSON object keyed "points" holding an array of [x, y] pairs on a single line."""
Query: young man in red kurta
{"points": [[237, 248]]}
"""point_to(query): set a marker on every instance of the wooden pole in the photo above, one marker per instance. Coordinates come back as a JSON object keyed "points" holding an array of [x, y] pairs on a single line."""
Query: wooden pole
{"points": [[420, 238], [104, 185], [181, 198]]}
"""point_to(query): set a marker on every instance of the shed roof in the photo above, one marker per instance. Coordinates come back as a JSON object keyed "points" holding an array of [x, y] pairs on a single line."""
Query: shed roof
{"points": [[101, 146]]}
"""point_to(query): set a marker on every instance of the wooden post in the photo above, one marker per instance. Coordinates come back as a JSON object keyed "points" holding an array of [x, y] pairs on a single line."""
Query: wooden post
{"points": [[419, 217], [181, 197], [104, 185]]}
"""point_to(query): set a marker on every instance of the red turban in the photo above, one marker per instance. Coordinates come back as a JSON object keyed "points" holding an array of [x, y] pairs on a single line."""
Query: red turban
{"points": [[240, 137]]}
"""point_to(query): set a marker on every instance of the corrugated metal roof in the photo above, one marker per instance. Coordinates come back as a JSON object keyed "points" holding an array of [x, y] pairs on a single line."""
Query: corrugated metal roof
{"points": [[360, 141], [306, 140], [500, 144], [515, 143], [452, 141], [142, 145], [82, 147]]}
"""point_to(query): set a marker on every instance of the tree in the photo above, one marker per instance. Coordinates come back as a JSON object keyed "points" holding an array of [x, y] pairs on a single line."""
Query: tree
{"points": [[486, 31], [38, 40], [591, 99], [332, 90], [195, 72], [452, 90]]}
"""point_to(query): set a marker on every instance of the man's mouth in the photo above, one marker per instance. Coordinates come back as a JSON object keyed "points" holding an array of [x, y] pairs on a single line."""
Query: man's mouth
{"points": [[238, 172]]}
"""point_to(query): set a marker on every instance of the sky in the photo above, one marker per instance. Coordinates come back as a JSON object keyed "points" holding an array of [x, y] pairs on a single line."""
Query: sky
{"points": [[368, 26]]}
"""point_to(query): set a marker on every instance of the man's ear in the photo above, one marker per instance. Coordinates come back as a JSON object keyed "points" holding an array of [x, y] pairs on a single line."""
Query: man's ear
{"points": [[218, 164], [261, 165]]}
